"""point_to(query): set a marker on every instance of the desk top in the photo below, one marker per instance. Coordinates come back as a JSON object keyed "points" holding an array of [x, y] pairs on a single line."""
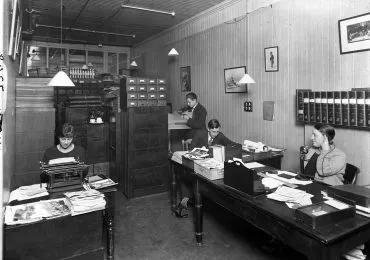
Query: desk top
{"points": [[284, 215], [175, 121]]}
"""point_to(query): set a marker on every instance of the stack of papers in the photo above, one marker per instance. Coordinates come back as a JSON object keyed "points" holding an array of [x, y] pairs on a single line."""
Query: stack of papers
{"points": [[292, 197], [356, 253], [177, 156], [97, 182], [28, 192], [288, 177], [62, 160], [85, 201], [197, 154], [32, 212]]}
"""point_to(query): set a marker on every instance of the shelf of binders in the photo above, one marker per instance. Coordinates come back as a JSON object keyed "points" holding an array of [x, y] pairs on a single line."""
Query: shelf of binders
{"points": [[349, 109]]}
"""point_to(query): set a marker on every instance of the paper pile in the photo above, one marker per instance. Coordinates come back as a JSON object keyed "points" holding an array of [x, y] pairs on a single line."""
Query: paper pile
{"points": [[85, 201], [197, 154], [32, 212], [177, 156], [28, 192], [355, 254], [292, 197], [97, 182]]}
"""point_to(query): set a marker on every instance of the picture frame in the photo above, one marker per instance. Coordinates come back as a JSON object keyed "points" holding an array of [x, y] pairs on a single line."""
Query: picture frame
{"points": [[272, 59], [13, 28], [354, 34], [231, 77], [185, 79]]}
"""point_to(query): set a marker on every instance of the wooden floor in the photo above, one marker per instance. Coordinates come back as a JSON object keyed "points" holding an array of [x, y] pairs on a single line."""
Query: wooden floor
{"points": [[145, 229]]}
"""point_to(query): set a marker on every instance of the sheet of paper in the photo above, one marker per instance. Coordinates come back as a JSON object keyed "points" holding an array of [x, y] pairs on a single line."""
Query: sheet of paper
{"points": [[336, 204], [253, 165]]}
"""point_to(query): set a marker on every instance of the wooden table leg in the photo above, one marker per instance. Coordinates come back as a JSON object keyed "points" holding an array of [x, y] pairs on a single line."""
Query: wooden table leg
{"points": [[198, 214], [173, 187], [109, 217]]}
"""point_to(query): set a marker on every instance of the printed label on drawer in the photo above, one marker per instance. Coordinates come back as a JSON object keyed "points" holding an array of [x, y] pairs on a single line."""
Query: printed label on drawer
{"points": [[142, 88], [161, 81], [162, 96], [152, 96], [161, 88], [131, 81], [131, 88], [152, 89], [143, 96], [152, 81], [132, 103], [141, 81]]}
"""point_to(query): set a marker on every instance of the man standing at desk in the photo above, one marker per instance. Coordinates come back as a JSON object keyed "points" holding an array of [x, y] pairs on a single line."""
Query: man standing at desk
{"points": [[195, 115]]}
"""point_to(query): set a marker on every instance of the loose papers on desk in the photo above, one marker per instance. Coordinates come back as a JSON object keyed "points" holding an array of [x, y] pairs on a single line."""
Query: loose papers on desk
{"points": [[197, 154], [85, 201], [177, 156], [294, 198], [36, 211], [28, 192]]}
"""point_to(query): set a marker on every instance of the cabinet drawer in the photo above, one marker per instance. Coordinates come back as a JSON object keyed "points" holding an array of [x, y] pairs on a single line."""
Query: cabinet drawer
{"points": [[141, 88], [162, 102], [152, 96], [142, 103], [161, 81], [161, 87], [152, 88], [142, 96], [152, 82], [131, 81], [131, 103], [152, 102], [161, 95], [131, 88], [141, 81], [131, 95]]}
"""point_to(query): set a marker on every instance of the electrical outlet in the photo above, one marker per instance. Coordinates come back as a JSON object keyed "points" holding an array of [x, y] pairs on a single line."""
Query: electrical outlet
{"points": [[248, 106]]}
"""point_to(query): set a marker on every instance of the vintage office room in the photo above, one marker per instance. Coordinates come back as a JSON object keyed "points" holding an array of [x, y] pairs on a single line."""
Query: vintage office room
{"points": [[170, 129]]}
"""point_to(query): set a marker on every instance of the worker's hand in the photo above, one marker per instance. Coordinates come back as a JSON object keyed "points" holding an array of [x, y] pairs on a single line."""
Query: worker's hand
{"points": [[186, 115]]}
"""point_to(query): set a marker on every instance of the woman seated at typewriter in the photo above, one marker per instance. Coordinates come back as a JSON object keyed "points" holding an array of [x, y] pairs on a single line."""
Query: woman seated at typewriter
{"points": [[66, 147], [324, 160]]}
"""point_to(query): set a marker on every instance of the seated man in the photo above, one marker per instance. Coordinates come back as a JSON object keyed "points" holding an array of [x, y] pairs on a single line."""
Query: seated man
{"points": [[211, 137], [324, 160]]}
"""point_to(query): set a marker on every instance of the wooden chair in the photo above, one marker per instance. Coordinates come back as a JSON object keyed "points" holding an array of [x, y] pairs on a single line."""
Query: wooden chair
{"points": [[350, 174], [186, 144]]}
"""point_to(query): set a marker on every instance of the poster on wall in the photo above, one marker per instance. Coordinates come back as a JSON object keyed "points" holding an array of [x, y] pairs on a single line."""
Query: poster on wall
{"points": [[232, 77], [185, 79], [271, 59], [354, 34]]}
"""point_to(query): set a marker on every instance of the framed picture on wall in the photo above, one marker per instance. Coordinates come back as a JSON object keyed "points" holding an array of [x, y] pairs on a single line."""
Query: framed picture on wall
{"points": [[272, 59], [354, 33], [185, 79], [232, 77]]}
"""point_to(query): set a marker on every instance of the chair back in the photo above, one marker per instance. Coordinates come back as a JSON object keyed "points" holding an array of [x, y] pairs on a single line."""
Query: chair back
{"points": [[350, 174], [186, 144]]}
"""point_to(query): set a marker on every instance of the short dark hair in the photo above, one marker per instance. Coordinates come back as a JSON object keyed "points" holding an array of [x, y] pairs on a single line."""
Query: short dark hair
{"points": [[213, 123], [326, 130], [192, 96], [67, 130]]}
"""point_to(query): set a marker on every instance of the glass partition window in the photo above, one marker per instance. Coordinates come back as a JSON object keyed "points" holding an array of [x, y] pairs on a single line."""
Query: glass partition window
{"points": [[112, 63], [95, 58], [123, 66], [36, 61], [77, 58]]}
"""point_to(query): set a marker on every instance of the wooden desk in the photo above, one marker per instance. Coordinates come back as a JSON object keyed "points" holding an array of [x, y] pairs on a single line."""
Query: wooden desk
{"points": [[275, 218], [68, 237]]}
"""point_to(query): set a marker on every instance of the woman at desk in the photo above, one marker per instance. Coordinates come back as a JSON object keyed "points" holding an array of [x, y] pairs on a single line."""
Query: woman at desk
{"points": [[324, 160], [66, 147]]}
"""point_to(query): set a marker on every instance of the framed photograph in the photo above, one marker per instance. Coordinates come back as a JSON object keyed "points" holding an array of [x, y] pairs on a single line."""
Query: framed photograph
{"points": [[185, 79], [272, 59], [232, 77], [354, 33]]}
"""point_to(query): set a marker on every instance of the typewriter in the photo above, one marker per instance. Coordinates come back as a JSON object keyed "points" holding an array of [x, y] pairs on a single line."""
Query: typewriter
{"points": [[63, 172]]}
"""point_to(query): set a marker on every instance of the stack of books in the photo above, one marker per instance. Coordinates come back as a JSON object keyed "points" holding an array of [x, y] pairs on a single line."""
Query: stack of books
{"points": [[33, 212], [85, 201]]}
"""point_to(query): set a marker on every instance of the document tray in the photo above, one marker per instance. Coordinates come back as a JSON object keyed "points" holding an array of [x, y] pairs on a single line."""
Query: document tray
{"points": [[239, 177]]}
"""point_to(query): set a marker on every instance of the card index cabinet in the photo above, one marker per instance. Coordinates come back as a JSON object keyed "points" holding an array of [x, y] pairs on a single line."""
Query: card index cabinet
{"points": [[338, 108]]}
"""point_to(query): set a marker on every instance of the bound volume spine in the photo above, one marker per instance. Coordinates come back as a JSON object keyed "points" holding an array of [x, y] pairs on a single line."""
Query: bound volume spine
{"points": [[330, 106], [337, 108], [367, 108], [360, 99], [352, 108], [345, 108], [306, 107], [317, 107], [312, 106]]}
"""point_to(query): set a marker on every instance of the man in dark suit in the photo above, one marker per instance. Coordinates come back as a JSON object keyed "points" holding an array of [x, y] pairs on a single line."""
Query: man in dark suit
{"points": [[211, 137], [195, 115]]}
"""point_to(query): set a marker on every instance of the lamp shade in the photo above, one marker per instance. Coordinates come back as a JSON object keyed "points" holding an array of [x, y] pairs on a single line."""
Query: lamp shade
{"points": [[61, 79], [173, 52], [246, 79], [133, 64]]}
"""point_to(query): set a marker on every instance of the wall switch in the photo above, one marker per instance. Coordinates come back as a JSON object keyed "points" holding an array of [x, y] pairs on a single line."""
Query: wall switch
{"points": [[248, 106]]}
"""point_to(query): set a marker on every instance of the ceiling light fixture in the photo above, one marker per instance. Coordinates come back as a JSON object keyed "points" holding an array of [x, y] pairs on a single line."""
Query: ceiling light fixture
{"points": [[246, 79], [61, 79], [149, 10], [173, 52], [133, 64]]}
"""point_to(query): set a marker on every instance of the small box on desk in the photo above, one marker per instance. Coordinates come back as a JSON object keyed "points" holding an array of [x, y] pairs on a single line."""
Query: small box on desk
{"points": [[239, 177], [225, 153], [209, 168], [359, 194], [322, 214]]}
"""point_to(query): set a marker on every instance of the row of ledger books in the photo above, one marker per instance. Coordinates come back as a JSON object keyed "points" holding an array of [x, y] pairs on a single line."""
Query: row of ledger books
{"points": [[36, 211], [340, 108], [85, 201]]}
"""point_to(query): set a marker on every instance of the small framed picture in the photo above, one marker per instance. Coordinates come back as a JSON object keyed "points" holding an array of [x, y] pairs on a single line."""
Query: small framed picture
{"points": [[272, 59], [354, 33], [185, 79], [232, 77]]}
